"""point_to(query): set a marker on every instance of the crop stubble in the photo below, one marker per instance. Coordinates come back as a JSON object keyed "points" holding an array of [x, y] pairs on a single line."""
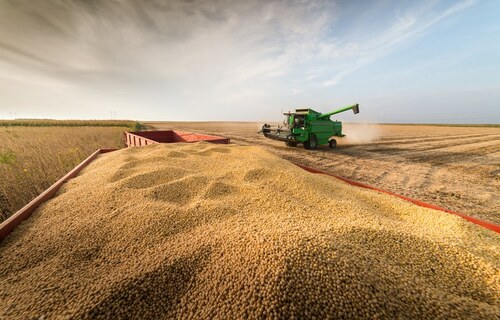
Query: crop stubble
{"points": [[207, 231]]}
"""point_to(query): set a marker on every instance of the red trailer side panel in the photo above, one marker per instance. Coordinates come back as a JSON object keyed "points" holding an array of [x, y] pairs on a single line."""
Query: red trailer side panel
{"points": [[143, 138]]}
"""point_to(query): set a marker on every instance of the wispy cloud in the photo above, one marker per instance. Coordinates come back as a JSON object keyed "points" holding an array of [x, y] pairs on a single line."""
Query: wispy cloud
{"points": [[188, 57], [406, 28]]}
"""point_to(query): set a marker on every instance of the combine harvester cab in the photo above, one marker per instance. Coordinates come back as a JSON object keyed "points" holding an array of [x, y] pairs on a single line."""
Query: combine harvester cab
{"points": [[308, 127]]}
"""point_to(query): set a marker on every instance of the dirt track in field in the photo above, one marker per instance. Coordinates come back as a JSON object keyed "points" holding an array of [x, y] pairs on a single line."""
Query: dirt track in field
{"points": [[454, 167]]}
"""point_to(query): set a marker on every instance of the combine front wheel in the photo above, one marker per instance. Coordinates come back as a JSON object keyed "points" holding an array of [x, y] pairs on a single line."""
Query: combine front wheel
{"points": [[312, 143]]}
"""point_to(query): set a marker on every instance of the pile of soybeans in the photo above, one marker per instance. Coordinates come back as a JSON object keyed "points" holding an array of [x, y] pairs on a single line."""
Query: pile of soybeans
{"points": [[208, 231]]}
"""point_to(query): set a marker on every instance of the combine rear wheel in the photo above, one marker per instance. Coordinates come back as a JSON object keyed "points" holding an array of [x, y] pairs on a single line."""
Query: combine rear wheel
{"points": [[312, 143], [332, 143], [291, 144]]}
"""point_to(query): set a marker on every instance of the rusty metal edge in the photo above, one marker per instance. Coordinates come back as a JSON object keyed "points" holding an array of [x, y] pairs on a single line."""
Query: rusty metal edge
{"points": [[215, 139], [132, 133], [8, 225], [482, 223]]}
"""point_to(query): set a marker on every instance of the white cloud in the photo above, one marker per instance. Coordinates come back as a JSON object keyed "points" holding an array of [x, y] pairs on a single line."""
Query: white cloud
{"points": [[407, 27], [184, 59], [331, 82]]}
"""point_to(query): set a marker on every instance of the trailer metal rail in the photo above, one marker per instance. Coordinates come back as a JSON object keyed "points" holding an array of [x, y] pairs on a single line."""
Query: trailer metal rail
{"points": [[144, 138]]}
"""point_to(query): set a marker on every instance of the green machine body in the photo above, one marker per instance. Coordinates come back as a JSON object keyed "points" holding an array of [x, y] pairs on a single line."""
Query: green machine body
{"points": [[308, 127]]}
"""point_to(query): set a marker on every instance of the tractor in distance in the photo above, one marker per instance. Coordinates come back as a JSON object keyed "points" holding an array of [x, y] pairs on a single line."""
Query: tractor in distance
{"points": [[308, 127]]}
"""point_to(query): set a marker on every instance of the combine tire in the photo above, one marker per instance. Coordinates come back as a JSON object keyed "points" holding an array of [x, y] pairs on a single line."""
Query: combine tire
{"points": [[312, 143], [291, 144], [332, 143]]}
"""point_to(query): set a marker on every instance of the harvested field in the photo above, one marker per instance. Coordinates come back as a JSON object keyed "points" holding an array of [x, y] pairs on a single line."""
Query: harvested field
{"points": [[456, 167], [210, 231]]}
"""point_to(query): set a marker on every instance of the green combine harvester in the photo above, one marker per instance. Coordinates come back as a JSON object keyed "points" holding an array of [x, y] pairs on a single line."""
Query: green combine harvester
{"points": [[308, 127]]}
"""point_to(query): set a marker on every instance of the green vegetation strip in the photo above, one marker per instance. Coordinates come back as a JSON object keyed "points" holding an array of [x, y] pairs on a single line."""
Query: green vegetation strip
{"points": [[133, 125], [7, 157]]}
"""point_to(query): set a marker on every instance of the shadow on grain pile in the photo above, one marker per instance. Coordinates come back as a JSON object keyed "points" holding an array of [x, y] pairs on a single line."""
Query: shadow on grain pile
{"points": [[206, 231]]}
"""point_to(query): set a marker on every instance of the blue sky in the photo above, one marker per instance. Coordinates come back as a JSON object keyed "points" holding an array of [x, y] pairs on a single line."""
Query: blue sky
{"points": [[403, 61]]}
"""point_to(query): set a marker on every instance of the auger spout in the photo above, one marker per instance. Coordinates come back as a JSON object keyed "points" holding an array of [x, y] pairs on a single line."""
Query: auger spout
{"points": [[354, 107]]}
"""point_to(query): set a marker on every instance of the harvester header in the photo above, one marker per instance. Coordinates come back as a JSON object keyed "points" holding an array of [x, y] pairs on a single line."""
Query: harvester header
{"points": [[309, 127]]}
